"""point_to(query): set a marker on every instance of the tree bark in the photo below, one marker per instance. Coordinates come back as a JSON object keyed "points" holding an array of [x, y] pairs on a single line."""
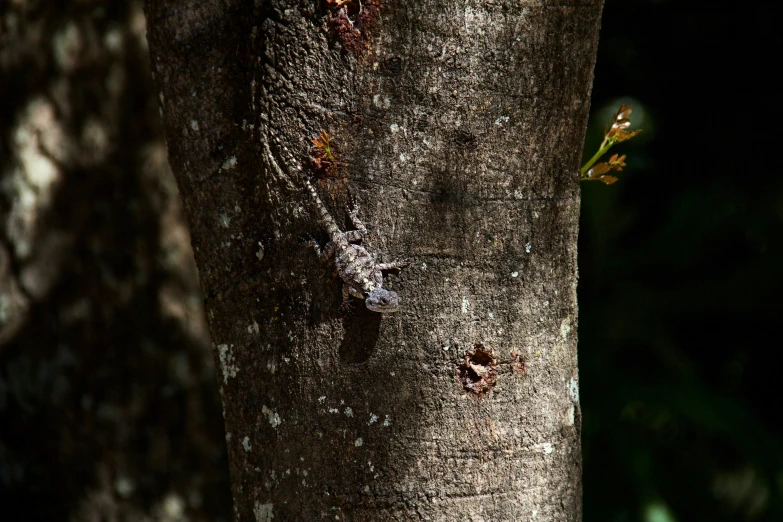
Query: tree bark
{"points": [[460, 127], [108, 408]]}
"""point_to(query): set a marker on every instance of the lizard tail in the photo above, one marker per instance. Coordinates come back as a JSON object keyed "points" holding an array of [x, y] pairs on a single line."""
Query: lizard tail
{"points": [[325, 218]]}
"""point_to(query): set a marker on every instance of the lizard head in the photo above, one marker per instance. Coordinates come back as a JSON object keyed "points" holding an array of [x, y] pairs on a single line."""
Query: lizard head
{"points": [[382, 300]]}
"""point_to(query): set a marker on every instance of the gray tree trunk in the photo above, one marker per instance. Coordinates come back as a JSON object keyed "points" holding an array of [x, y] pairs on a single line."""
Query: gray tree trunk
{"points": [[108, 406], [460, 127]]}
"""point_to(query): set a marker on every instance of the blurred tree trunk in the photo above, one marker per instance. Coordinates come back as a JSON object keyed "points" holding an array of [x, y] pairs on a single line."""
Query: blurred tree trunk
{"points": [[459, 129], [108, 407]]}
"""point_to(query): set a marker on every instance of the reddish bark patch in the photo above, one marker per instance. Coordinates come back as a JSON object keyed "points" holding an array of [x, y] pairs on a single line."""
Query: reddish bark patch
{"points": [[518, 363], [353, 21], [478, 373]]}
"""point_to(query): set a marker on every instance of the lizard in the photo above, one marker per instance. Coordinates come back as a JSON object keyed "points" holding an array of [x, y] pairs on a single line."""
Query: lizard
{"points": [[362, 276]]}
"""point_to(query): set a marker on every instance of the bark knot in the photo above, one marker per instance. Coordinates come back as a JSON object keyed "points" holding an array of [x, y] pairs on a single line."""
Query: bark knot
{"points": [[478, 372]]}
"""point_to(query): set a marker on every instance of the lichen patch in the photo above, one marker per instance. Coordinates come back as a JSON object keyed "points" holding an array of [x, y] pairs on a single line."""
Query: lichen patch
{"points": [[264, 512], [272, 416], [227, 362]]}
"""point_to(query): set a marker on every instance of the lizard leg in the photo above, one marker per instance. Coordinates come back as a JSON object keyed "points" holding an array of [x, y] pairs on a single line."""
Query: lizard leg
{"points": [[360, 228], [346, 298], [328, 251], [394, 265], [353, 236], [315, 246], [323, 253]]}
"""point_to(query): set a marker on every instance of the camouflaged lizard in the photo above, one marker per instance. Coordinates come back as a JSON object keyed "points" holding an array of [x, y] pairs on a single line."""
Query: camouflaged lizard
{"points": [[360, 273]]}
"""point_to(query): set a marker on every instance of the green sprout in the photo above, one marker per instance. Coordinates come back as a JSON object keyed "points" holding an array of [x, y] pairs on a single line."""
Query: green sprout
{"points": [[322, 144], [615, 134]]}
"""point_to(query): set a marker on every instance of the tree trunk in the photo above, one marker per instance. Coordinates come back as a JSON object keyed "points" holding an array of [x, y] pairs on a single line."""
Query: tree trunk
{"points": [[108, 407], [458, 130]]}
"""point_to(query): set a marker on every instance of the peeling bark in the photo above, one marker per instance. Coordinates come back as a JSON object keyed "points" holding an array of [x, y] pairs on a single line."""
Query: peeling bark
{"points": [[460, 128]]}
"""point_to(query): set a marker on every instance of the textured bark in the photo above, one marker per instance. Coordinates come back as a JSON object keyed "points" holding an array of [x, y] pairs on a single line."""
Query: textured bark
{"points": [[460, 127]]}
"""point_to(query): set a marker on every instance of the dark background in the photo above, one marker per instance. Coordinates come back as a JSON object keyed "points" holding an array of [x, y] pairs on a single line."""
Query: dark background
{"points": [[680, 268], [108, 403]]}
